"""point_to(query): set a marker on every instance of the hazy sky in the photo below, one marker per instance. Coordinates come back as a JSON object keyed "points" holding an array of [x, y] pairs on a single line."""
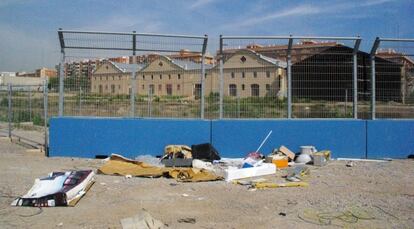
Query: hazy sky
{"points": [[28, 28]]}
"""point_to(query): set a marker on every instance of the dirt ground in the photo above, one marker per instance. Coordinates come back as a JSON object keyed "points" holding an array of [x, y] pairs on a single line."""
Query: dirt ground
{"points": [[383, 192]]}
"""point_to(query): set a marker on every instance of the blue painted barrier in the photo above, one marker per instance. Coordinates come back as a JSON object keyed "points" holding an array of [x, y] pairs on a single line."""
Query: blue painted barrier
{"points": [[236, 138], [390, 138], [88, 137]]}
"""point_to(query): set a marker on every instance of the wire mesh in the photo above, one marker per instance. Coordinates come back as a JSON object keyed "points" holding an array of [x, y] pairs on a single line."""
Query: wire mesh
{"points": [[4, 104], [254, 78], [100, 68], [249, 79], [22, 113], [394, 72], [322, 78]]}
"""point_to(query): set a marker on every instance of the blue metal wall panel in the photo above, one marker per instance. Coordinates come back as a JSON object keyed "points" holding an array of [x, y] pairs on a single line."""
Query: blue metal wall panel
{"points": [[390, 138], [87, 137], [236, 138]]}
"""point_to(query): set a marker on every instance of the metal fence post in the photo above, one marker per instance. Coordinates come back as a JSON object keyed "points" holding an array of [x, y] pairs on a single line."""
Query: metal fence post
{"points": [[203, 73], [9, 113], [355, 78], [61, 82], [45, 115], [80, 100], [30, 103], [373, 78], [149, 102], [289, 77], [61, 72], [133, 76], [221, 79], [238, 104]]}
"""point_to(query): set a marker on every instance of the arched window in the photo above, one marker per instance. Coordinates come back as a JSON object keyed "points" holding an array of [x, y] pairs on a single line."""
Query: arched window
{"points": [[255, 90], [233, 90]]}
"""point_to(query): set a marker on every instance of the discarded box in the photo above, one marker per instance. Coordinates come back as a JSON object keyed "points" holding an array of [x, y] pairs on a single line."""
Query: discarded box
{"points": [[205, 152], [233, 173], [287, 152], [319, 159], [57, 189]]}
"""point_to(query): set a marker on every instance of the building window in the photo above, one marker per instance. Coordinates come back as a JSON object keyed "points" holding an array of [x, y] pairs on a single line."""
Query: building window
{"points": [[100, 89], [255, 74], [279, 79], [119, 77], [159, 87], [178, 87], [143, 77], [232, 75], [113, 77], [255, 89], [152, 77], [243, 87], [107, 78], [151, 89], [168, 87], [95, 77], [160, 77], [205, 75], [197, 91], [233, 90], [119, 87], [243, 75], [267, 87], [268, 74], [112, 89], [169, 77], [106, 87], [179, 76], [143, 87]]}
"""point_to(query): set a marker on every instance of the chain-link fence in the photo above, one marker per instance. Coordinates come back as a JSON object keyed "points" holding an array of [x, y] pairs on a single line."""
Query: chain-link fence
{"points": [[173, 76], [394, 78], [288, 77], [23, 114], [131, 74]]}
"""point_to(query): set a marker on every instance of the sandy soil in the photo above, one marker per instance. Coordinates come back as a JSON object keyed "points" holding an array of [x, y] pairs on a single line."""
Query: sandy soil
{"points": [[384, 191]]}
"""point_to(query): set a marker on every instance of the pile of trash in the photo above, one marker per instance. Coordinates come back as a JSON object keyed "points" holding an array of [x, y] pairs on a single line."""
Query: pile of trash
{"points": [[198, 163], [119, 165]]}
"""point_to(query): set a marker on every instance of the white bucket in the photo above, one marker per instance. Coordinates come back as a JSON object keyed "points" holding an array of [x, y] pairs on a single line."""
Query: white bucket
{"points": [[308, 150]]}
